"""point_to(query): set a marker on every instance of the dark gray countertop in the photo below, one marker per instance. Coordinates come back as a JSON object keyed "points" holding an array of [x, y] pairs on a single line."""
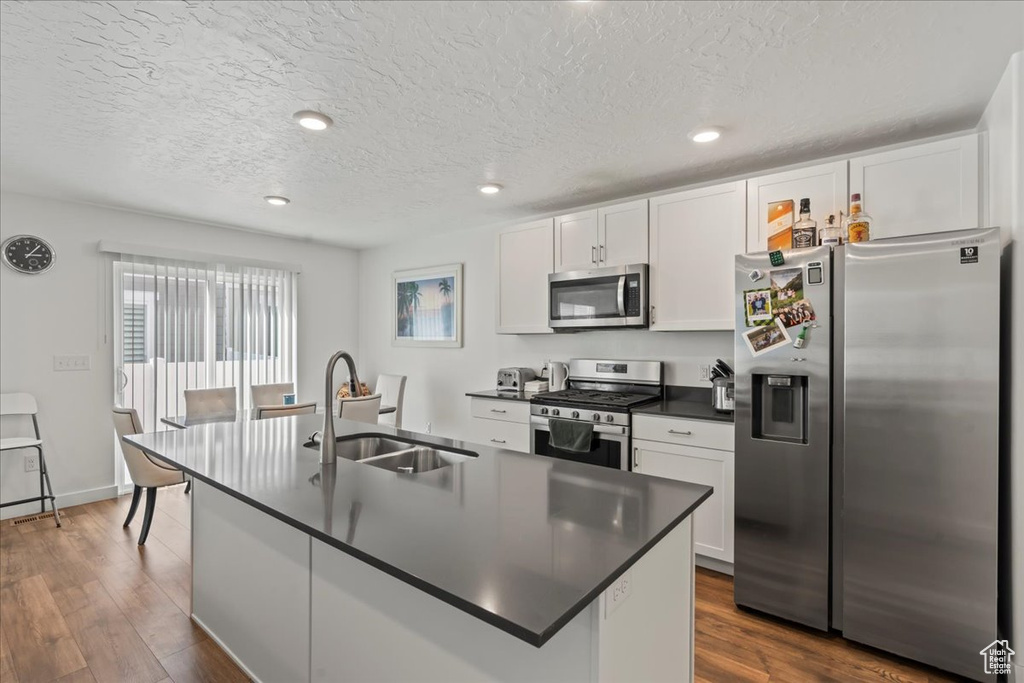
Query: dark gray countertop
{"points": [[693, 403], [504, 395], [520, 541]]}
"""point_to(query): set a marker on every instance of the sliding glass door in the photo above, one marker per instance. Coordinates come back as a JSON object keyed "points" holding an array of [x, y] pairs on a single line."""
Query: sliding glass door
{"points": [[181, 325]]}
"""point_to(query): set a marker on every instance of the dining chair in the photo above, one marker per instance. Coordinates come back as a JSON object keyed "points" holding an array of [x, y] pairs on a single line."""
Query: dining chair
{"points": [[271, 394], [146, 472], [264, 412], [392, 393], [209, 402], [22, 405], [361, 409]]}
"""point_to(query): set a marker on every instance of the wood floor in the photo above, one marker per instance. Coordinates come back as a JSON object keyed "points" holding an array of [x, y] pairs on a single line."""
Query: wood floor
{"points": [[84, 603]]}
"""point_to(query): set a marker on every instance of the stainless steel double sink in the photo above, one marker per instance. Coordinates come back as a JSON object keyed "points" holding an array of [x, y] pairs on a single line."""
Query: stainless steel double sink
{"points": [[396, 455]]}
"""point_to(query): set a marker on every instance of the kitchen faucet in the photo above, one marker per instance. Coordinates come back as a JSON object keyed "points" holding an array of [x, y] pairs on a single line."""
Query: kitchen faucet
{"points": [[328, 445]]}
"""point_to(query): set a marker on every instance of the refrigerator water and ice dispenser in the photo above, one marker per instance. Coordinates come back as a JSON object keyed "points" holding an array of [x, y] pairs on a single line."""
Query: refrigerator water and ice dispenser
{"points": [[779, 408]]}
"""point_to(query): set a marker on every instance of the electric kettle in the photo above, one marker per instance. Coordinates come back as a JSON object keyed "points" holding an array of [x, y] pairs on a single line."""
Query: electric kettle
{"points": [[558, 375]]}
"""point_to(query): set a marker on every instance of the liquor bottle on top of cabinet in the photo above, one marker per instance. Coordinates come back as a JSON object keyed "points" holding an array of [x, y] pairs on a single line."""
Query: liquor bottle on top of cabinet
{"points": [[858, 224], [831, 234], [805, 231]]}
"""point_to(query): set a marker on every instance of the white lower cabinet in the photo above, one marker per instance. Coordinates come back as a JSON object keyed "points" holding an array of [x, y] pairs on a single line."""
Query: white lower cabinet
{"points": [[500, 434], [501, 424], [713, 522]]}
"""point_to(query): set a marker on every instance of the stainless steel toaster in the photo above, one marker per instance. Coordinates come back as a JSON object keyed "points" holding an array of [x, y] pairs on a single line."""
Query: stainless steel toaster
{"points": [[513, 379]]}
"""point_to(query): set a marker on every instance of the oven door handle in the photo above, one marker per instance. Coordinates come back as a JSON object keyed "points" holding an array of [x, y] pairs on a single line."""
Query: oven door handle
{"points": [[618, 430], [622, 296]]}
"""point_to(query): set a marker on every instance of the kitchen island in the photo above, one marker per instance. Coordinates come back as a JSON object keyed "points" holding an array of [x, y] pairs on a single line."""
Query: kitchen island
{"points": [[503, 566]]}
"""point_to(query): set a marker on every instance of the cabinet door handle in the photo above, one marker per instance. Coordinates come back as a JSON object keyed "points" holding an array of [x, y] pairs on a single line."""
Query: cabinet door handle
{"points": [[636, 458], [498, 440], [601, 253], [687, 433], [652, 315], [495, 410], [593, 255]]}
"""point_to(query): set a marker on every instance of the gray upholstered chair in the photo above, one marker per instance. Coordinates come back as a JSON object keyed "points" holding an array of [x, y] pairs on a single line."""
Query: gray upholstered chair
{"points": [[210, 402], [146, 472], [392, 393], [271, 394], [361, 409], [264, 412]]}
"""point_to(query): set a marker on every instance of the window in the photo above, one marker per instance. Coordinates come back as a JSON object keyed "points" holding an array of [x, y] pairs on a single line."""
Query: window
{"points": [[134, 339], [184, 325]]}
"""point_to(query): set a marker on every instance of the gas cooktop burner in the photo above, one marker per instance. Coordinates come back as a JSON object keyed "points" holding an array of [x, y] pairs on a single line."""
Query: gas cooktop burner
{"points": [[594, 398]]}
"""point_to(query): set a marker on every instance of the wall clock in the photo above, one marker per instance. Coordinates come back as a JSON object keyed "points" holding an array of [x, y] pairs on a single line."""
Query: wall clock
{"points": [[28, 254]]}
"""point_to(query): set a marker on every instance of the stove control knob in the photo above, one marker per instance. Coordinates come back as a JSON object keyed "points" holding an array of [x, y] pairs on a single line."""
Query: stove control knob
{"points": [[554, 411], [597, 417], [543, 411], [575, 413], [609, 418]]}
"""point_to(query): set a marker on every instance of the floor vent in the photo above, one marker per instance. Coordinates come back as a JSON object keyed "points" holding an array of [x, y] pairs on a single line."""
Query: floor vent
{"points": [[36, 518]]}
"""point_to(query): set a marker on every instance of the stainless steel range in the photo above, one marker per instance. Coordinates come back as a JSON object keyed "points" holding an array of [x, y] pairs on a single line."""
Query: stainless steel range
{"points": [[601, 392]]}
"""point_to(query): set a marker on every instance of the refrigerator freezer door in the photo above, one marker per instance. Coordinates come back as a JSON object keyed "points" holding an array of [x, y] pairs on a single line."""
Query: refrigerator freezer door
{"points": [[782, 446], [921, 410]]}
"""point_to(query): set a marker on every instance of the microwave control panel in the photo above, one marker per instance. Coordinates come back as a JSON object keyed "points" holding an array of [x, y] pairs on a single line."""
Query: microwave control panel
{"points": [[633, 296]]}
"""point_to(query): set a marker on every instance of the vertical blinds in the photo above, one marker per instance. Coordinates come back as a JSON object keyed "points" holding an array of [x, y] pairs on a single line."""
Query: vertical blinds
{"points": [[189, 325]]}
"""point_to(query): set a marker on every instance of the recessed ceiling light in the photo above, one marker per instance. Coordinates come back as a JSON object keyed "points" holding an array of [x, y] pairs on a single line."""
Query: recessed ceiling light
{"points": [[490, 188], [276, 200], [705, 134], [312, 120]]}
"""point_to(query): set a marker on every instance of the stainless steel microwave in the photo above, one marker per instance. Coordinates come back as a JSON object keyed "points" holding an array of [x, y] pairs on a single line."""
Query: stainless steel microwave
{"points": [[603, 297]]}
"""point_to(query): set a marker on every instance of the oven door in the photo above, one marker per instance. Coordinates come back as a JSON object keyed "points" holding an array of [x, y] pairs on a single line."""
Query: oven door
{"points": [[609, 447], [604, 297]]}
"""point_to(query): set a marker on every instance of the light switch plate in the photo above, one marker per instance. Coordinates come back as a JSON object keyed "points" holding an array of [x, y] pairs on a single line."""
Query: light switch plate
{"points": [[71, 363], [618, 593]]}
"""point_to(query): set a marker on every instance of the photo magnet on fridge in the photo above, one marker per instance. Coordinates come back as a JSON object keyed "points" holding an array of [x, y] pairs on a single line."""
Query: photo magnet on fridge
{"points": [[787, 287], [797, 313], [757, 306], [763, 339]]}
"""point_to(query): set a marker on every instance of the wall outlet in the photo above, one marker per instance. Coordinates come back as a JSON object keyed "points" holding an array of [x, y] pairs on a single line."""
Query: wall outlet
{"points": [[704, 373], [71, 363], [618, 593], [428, 428], [32, 462]]}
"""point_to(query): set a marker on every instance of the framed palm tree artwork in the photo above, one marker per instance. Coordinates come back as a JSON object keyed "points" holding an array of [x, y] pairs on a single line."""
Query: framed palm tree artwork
{"points": [[427, 307]]}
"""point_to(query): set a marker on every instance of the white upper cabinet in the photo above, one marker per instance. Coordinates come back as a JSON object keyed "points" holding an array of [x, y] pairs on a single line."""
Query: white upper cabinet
{"points": [[925, 188], [610, 236], [622, 234], [824, 184], [525, 259], [576, 241], [695, 236]]}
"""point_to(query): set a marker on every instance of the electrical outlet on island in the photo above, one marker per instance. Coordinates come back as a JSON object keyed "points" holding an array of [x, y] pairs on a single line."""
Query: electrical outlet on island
{"points": [[704, 373], [31, 462], [428, 428]]}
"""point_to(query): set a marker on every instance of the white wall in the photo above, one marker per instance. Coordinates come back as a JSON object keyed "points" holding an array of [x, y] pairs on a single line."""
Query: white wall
{"points": [[65, 311], [1003, 124], [439, 378]]}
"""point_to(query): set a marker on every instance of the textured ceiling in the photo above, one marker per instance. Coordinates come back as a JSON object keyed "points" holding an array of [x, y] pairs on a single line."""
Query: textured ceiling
{"points": [[184, 108]]}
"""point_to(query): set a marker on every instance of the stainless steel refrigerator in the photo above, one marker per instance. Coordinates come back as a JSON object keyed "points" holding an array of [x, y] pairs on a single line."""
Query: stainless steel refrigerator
{"points": [[867, 447]]}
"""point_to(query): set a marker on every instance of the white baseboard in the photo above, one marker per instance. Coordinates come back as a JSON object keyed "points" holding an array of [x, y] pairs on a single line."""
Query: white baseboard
{"points": [[1017, 673], [64, 500], [713, 564]]}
